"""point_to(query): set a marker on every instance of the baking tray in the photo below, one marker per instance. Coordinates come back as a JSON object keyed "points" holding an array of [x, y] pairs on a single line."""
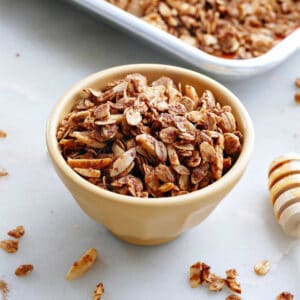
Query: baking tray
{"points": [[223, 68]]}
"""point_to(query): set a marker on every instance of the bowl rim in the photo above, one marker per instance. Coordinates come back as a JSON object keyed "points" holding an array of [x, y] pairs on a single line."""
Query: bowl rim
{"points": [[233, 174]]}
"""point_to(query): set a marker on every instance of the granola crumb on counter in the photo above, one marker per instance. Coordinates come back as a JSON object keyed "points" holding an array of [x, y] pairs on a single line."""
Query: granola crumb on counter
{"points": [[17, 232], [262, 267], [153, 139], [24, 270], [82, 265], [297, 97], [10, 246], [3, 173], [285, 296], [233, 297], [297, 82], [3, 134], [99, 291], [4, 289], [200, 274]]}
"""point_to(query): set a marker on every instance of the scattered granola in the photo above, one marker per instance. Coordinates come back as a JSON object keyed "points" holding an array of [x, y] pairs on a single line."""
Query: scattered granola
{"points": [[98, 292], [262, 267], [233, 297], [3, 173], [10, 246], [231, 282], [285, 296], [24, 270], [4, 289], [200, 274], [3, 134], [17, 232], [82, 265], [149, 140], [297, 97], [238, 29], [297, 82]]}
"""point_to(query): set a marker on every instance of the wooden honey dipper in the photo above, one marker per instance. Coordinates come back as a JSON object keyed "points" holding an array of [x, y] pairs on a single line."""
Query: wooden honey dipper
{"points": [[284, 186]]}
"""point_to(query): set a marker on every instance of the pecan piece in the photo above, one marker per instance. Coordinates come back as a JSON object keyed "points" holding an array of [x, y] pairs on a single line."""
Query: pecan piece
{"points": [[285, 296]]}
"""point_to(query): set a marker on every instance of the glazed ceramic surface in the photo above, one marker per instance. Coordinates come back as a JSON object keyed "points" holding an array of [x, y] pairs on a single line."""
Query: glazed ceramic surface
{"points": [[142, 220]]}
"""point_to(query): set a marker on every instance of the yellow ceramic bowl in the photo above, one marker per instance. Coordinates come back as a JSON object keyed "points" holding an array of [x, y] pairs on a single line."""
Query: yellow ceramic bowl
{"points": [[155, 220]]}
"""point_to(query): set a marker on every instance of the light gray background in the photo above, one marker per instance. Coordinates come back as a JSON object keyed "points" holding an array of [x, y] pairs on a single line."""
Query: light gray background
{"points": [[58, 45]]}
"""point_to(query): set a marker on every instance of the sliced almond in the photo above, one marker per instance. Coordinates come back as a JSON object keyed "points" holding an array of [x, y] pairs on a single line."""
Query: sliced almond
{"points": [[82, 265], [90, 173]]}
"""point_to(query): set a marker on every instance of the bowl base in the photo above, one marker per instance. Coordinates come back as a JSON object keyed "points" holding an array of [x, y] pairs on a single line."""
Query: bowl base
{"points": [[140, 242]]}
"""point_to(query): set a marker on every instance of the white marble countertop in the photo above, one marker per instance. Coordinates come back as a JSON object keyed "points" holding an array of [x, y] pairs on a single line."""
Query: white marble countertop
{"points": [[46, 46]]}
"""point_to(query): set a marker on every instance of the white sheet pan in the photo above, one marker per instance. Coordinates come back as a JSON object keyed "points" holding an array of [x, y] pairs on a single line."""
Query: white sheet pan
{"points": [[223, 68]]}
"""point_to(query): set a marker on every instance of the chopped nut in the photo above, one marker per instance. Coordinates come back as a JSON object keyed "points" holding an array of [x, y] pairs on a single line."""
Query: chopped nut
{"points": [[99, 291], [2, 134], [10, 246], [262, 267], [18, 232], [82, 265], [24, 270], [285, 296]]}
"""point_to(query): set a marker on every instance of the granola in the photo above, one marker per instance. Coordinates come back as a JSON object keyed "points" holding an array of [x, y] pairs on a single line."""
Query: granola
{"points": [[3, 134], [10, 246], [3, 173], [297, 97], [285, 296], [99, 291], [17, 232], [233, 297], [200, 274], [239, 29], [262, 267], [82, 265], [24, 270], [149, 140]]}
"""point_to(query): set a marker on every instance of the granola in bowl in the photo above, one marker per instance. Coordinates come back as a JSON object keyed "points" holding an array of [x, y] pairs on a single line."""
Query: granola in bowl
{"points": [[155, 139], [238, 29]]}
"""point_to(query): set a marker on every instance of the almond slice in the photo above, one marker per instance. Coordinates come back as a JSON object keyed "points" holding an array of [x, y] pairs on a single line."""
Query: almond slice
{"points": [[82, 265]]}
